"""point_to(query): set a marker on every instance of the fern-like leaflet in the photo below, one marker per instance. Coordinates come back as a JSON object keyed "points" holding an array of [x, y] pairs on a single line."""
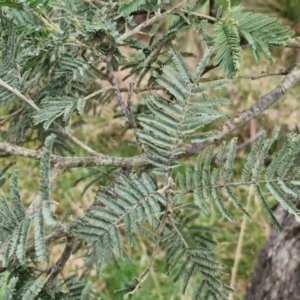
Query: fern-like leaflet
{"points": [[54, 107], [14, 225], [172, 123], [259, 31], [206, 183], [189, 251], [134, 201]]}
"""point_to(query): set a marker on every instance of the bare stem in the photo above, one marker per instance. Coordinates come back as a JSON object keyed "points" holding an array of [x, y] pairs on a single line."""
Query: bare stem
{"points": [[127, 111], [4, 118], [96, 93], [146, 272], [76, 162], [18, 94], [261, 105], [151, 21], [178, 232], [59, 265]]}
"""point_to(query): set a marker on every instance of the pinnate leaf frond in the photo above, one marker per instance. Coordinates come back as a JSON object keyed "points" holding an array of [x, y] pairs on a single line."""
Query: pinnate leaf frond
{"points": [[208, 182]]}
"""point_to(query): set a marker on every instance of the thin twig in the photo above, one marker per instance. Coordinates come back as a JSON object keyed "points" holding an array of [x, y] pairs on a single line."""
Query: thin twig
{"points": [[97, 93], [144, 89], [151, 21], [18, 94], [42, 270], [240, 119], [146, 272], [15, 113], [205, 17], [59, 265], [178, 232], [113, 81], [253, 77], [127, 111]]}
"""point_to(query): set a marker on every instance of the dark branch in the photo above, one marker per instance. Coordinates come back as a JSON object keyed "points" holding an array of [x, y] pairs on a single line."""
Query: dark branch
{"points": [[212, 8], [125, 109], [262, 104], [76, 162], [59, 265]]}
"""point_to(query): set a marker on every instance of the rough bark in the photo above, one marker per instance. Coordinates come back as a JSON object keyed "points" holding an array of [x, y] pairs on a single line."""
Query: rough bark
{"points": [[277, 273]]}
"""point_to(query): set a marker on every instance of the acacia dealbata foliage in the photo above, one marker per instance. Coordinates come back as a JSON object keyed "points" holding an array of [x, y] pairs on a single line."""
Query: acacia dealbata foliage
{"points": [[52, 55]]}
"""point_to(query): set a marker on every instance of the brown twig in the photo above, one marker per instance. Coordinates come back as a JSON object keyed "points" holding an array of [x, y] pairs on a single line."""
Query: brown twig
{"points": [[112, 78], [262, 104], [146, 272], [253, 77], [59, 265], [15, 113], [151, 21], [18, 94], [76, 162], [212, 8], [143, 89]]}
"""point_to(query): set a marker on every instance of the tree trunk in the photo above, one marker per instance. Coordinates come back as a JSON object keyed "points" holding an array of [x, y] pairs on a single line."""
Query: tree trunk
{"points": [[277, 273]]}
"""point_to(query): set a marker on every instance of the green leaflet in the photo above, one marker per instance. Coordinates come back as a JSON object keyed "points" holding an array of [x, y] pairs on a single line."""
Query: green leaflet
{"points": [[17, 203], [35, 288], [14, 225], [130, 6], [201, 65], [39, 237], [193, 257], [136, 201], [54, 107], [208, 182], [227, 41], [174, 122], [11, 4], [182, 67], [259, 31], [10, 289]]}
